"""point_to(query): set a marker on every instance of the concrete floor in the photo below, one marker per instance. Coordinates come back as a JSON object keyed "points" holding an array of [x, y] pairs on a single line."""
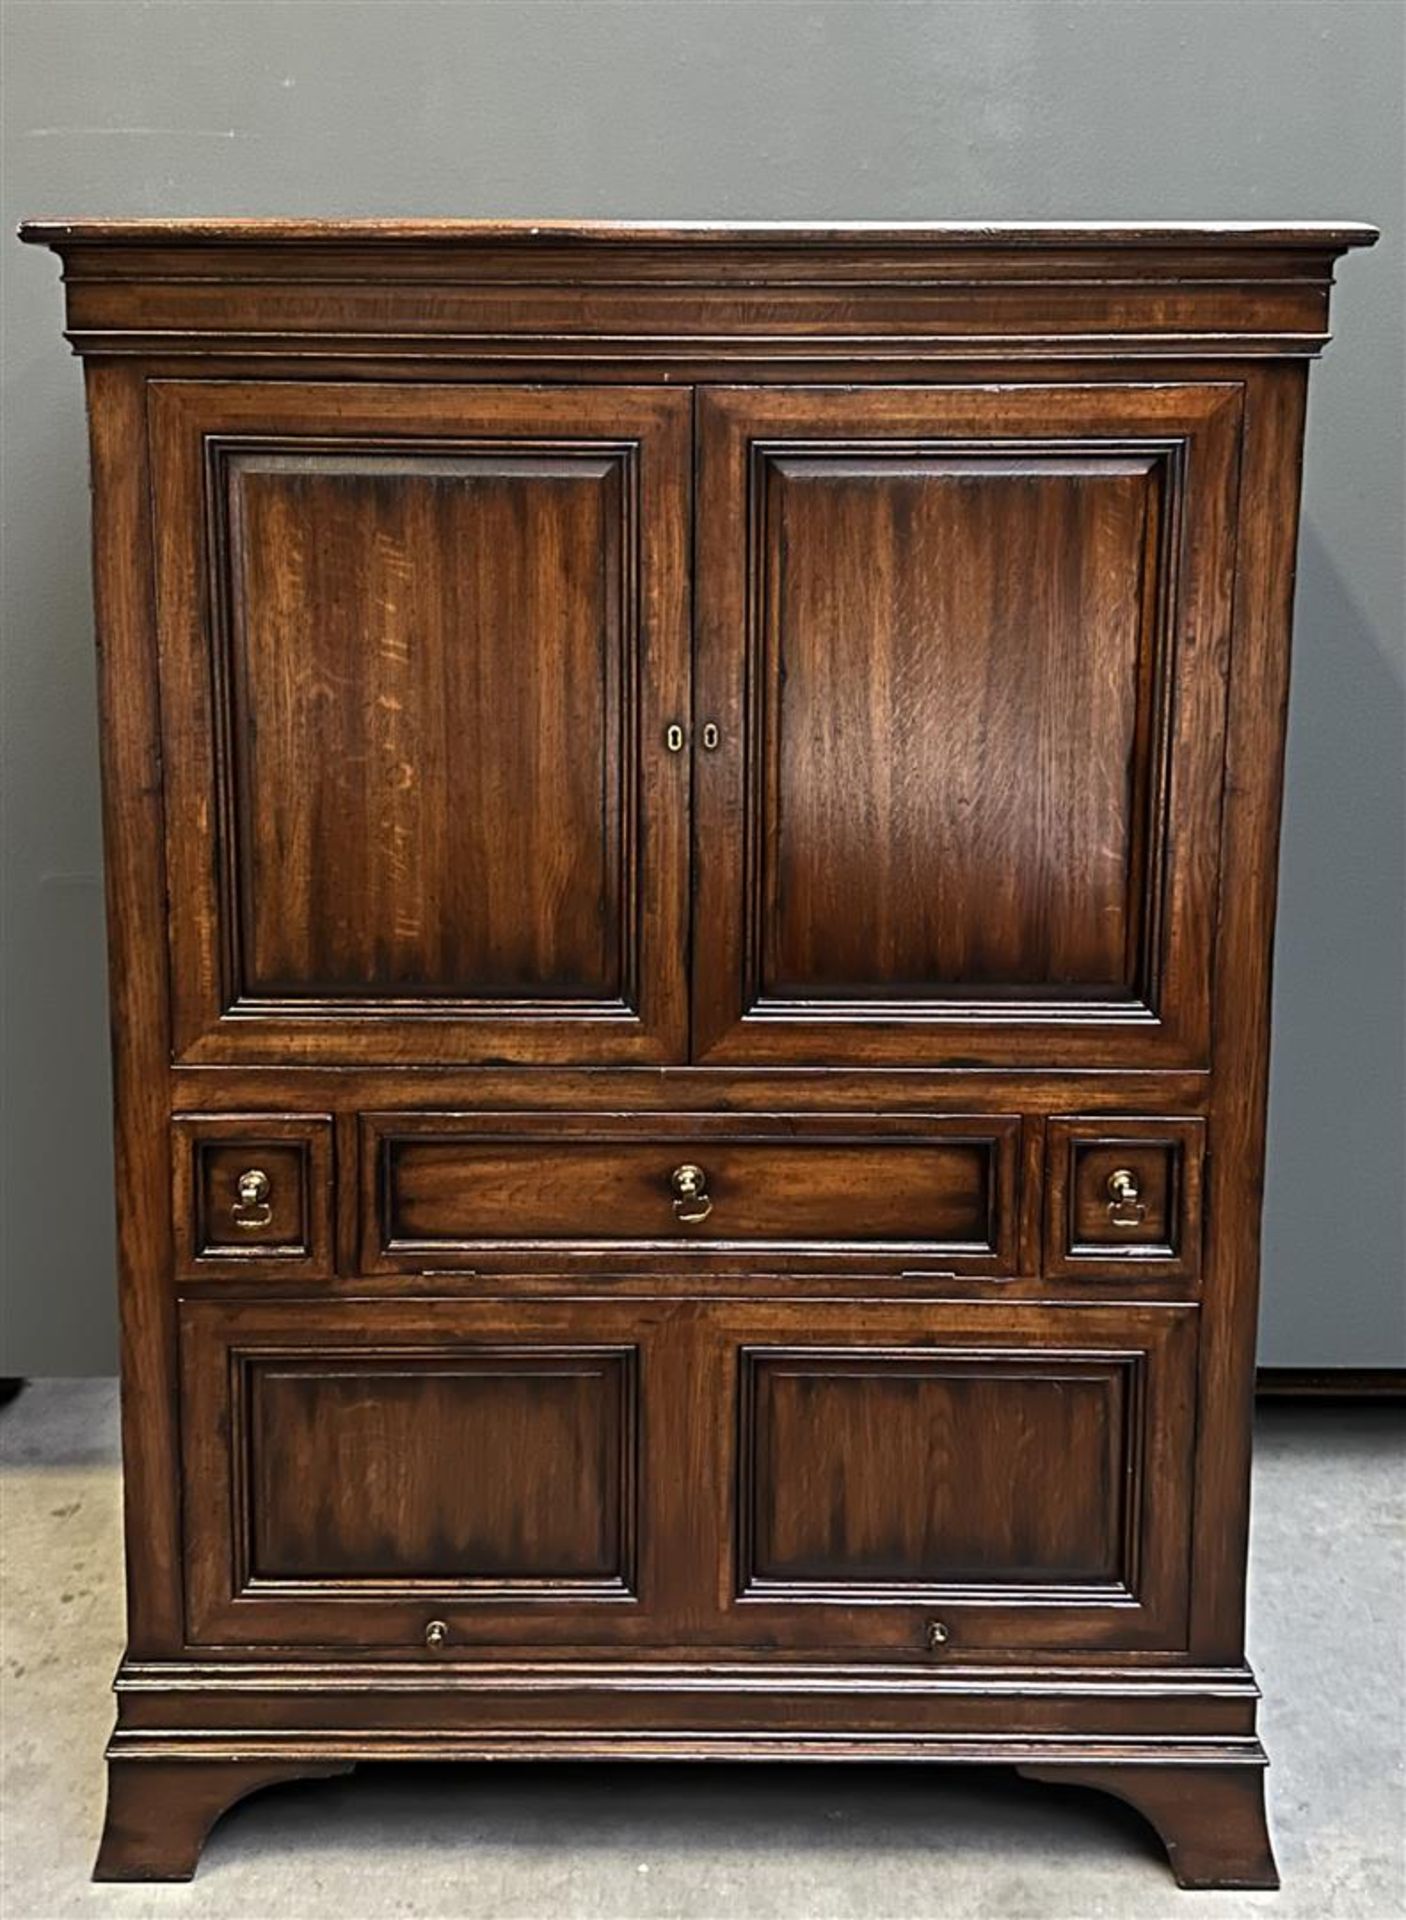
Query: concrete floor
{"points": [[1328, 1576]]}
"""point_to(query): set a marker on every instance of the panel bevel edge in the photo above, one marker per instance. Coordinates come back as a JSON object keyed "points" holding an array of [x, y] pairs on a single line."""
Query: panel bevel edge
{"points": [[221, 451], [1127, 1368], [623, 1585]]}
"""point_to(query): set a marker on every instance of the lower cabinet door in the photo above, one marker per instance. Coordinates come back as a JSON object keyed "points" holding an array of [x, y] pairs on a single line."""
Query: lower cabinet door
{"points": [[437, 1474], [851, 1478], [959, 1480]]}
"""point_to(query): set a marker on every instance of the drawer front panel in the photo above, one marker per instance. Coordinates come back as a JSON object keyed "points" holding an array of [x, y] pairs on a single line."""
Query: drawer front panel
{"points": [[451, 1188], [429, 1475], [961, 1480], [253, 1196], [1123, 1198]]}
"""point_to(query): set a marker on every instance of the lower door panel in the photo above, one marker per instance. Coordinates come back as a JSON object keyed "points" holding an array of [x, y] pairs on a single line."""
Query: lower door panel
{"points": [[880, 1478], [439, 1473], [961, 1479]]}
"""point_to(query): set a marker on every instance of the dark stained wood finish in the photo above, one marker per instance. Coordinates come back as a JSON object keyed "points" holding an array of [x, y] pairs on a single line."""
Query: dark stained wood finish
{"points": [[1021, 1477], [419, 649], [160, 1812], [942, 586], [973, 739], [1091, 1232], [1211, 1820], [921, 1190], [349, 1479], [286, 1236], [966, 904], [512, 1468], [426, 681], [842, 1462]]}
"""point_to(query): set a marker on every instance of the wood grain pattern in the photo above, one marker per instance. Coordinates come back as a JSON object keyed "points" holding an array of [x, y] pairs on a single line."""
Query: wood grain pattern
{"points": [[902, 1469], [412, 810], [954, 818], [428, 722], [1088, 1233], [513, 1467], [957, 891], [491, 1470], [599, 295], [999, 615], [1211, 1820], [442, 1188], [214, 1235], [1020, 1477], [350, 1478]]}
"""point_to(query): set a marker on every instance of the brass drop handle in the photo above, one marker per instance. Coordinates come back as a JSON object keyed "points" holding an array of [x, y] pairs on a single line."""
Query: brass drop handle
{"points": [[1125, 1208], [436, 1635], [937, 1635], [691, 1202], [251, 1209]]}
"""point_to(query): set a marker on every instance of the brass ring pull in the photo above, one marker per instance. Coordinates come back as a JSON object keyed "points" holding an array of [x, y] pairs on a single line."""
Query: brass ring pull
{"points": [[436, 1635], [691, 1202], [1125, 1208], [251, 1209]]}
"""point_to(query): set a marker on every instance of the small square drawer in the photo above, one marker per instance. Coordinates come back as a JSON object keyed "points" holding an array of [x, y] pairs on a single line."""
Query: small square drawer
{"points": [[253, 1193], [1124, 1194]]}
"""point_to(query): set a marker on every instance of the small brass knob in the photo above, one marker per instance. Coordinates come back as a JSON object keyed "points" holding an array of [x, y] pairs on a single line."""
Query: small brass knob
{"points": [[938, 1634], [1125, 1208], [436, 1635], [691, 1201], [251, 1208]]}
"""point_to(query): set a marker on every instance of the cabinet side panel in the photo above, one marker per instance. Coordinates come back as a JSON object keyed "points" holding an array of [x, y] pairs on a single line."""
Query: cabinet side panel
{"points": [[1269, 495], [133, 838]]}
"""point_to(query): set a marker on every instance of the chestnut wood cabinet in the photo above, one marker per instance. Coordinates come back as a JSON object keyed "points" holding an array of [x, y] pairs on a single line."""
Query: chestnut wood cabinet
{"points": [[691, 820]]}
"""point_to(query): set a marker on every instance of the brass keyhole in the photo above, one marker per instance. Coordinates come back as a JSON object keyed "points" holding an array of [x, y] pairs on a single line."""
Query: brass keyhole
{"points": [[251, 1209], [691, 1202]]}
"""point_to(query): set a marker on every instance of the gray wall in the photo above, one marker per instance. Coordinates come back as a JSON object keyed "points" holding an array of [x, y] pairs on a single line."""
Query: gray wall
{"points": [[1008, 109]]}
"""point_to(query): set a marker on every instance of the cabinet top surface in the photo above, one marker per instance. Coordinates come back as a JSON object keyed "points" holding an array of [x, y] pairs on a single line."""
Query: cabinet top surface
{"points": [[1039, 235]]}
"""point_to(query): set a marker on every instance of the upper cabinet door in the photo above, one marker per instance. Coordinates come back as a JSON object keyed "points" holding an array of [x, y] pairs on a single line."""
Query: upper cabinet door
{"points": [[966, 653], [420, 646]]}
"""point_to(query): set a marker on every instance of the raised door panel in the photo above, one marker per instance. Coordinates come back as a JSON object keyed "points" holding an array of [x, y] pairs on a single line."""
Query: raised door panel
{"points": [[352, 1480], [965, 652], [419, 649], [962, 1480]]}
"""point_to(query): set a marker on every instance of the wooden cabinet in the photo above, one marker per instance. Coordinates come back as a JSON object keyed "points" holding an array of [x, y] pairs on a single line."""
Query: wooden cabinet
{"points": [[690, 825]]}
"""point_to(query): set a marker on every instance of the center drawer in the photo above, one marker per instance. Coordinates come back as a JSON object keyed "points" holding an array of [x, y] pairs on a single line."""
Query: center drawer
{"points": [[448, 1188]]}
